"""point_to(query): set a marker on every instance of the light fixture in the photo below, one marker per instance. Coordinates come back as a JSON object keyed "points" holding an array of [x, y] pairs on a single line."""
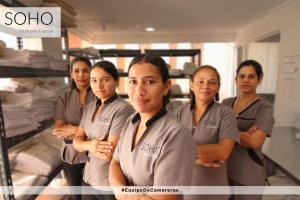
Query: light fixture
{"points": [[149, 29]]}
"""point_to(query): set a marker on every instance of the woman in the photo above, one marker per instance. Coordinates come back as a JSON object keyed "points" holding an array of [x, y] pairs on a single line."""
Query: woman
{"points": [[214, 130], [154, 150], [100, 127], [246, 165], [69, 109]]}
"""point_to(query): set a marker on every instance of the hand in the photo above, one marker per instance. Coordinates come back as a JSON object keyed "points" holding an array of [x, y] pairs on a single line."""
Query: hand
{"points": [[101, 149], [213, 164], [65, 131], [252, 129], [105, 149]]}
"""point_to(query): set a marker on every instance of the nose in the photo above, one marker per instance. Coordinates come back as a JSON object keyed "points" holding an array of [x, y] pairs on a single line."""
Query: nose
{"points": [[140, 89], [205, 85], [98, 84], [80, 73], [246, 80]]}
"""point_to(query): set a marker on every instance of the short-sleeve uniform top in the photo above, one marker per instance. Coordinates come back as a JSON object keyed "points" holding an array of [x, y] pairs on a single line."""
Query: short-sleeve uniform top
{"points": [[69, 110], [162, 157], [246, 165], [109, 121], [218, 122]]}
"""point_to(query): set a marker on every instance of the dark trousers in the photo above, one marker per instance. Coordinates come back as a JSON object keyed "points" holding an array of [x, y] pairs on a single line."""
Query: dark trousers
{"points": [[96, 196], [73, 175], [242, 197]]}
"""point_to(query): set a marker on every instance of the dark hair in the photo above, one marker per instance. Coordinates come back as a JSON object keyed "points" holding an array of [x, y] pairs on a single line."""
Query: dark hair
{"points": [[194, 74], [253, 63], [158, 62], [109, 67], [75, 60]]}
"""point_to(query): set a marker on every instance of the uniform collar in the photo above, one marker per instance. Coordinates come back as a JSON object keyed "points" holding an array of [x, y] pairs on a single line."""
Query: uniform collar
{"points": [[157, 116], [192, 107], [88, 89], [107, 101]]}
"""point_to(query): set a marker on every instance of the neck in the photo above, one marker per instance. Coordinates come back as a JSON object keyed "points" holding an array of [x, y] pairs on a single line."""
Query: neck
{"points": [[247, 96], [82, 89], [146, 116], [200, 105]]}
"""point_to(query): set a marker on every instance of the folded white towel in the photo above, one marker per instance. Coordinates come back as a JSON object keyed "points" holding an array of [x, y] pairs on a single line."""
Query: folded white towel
{"points": [[40, 159]]}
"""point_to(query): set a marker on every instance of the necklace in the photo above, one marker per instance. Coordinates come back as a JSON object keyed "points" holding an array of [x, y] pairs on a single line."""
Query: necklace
{"points": [[239, 108]]}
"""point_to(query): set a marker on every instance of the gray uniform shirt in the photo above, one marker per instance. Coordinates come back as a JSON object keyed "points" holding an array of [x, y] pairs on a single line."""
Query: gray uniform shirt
{"points": [[109, 121], [69, 110], [163, 156], [218, 122], [243, 164]]}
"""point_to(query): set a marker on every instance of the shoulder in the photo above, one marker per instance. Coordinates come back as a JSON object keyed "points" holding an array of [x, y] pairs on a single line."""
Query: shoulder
{"points": [[65, 95], [264, 104], [122, 105], [185, 106], [90, 105], [172, 125], [222, 110], [228, 101]]}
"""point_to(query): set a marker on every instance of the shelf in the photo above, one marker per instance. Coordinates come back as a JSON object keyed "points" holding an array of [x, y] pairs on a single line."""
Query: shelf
{"points": [[181, 76], [26, 72], [12, 141], [118, 53], [173, 96], [174, 52], [80, 53], [12, 3], [53, 174]]}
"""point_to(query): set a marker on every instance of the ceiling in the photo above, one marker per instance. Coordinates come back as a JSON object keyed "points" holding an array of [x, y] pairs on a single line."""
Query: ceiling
{"points": [[123, 21]]}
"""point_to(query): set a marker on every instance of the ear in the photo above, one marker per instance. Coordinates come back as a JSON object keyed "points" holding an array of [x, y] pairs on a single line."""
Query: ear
{"points": [[71, 73], [117, 82], [191, 86], [167, 87], [260, 80]]}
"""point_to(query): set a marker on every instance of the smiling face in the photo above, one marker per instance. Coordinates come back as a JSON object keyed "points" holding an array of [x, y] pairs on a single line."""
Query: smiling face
{"points": [[247, 79], [146, 88], [205, 85], [102, 83], [80, 73]]}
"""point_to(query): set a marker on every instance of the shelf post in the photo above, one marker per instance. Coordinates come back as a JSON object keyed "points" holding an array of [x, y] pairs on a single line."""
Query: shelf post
{"points": [[5, 176]]}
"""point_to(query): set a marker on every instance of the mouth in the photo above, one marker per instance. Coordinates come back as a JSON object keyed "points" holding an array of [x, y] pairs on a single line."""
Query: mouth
{"points": [[141, 101], [246, 86]]}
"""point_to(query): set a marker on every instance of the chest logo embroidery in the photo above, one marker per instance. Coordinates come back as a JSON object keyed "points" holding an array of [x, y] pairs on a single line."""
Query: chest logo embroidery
{"points": [[103, 119], [211, 124], [150, 150]]}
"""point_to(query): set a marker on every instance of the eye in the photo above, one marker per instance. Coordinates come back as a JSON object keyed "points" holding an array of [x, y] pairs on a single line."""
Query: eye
{"points": [[76, 71], [212, 82], [150, 82], [241, 76], [200, 82], [93, 81], [106, 79], [132, 82], [86, 71], [251, 76]]}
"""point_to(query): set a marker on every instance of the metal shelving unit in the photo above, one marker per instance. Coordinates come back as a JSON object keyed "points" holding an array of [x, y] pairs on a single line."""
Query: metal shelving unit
{"points": [[26, 72], [6, 143]]}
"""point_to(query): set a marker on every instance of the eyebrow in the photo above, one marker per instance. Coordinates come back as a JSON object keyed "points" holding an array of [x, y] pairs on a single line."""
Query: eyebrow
{"points": [[95, 77], [144, 77]]}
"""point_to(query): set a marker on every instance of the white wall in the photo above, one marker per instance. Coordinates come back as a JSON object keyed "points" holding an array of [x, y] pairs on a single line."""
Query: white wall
{"points": [[285, 20]]}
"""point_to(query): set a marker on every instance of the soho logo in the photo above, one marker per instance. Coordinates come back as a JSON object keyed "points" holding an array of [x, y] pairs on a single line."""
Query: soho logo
{"points": [[21, 18], [31, 21]]}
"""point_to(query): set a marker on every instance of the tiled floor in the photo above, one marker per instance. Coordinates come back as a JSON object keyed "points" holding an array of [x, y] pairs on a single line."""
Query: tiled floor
{"points": [[281, 180]]}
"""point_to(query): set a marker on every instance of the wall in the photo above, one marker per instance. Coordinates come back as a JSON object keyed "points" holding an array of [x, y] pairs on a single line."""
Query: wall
{"points": [[286, 20]]}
